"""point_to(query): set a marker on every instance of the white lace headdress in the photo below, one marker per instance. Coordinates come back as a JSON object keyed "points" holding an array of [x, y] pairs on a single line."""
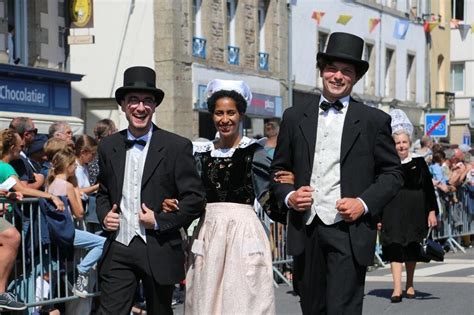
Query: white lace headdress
{"points": [[229, 85], [400, 121]]}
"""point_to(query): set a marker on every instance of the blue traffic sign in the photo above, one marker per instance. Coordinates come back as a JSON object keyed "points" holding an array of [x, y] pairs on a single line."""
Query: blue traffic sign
{"points": [[436, 125]]}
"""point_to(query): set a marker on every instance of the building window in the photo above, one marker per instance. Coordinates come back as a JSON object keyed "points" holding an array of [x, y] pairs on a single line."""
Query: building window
{"points": [[457, 77], [231, 6], [262, 16], [196, 18], [411, 78], [369, 78], [390, 73], [457, 7]]}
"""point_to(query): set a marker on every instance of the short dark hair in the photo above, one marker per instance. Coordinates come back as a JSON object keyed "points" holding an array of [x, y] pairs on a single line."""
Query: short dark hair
{"points": [[272, 119], [439, 156], [21, 124], [240, 102], [323, 62]]}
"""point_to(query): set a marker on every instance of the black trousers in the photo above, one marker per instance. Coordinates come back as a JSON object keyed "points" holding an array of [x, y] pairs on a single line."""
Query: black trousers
{"points": [[329, 280], [126, 265]]}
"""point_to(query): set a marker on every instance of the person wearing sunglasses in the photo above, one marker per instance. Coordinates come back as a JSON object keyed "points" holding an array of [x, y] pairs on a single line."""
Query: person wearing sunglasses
{"points": [[28, 173]]}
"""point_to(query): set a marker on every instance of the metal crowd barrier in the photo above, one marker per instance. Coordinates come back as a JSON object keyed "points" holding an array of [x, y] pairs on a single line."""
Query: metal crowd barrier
{"points": [[456, 217], [277, 234], [43, 274]]}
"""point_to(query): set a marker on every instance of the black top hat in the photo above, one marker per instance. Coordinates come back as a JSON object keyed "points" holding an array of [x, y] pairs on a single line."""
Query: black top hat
{"points": [[345, 47], [139, 79]]}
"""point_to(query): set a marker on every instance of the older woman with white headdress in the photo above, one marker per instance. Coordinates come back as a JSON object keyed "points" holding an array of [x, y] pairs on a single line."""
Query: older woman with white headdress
{"points": [[231, 264], [412, 211]]}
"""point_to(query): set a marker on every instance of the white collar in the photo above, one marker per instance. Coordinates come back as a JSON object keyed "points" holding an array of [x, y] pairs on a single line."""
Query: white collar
{"points": [[344, 101], [200, 147], [145, 137]]}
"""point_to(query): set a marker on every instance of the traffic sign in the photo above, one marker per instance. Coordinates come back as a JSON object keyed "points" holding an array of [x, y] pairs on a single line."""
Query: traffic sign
{"points": [[436, 125]]}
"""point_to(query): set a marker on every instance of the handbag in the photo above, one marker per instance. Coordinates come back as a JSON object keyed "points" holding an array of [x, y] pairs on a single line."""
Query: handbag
{"points": [[430, 249], [60, 224]]}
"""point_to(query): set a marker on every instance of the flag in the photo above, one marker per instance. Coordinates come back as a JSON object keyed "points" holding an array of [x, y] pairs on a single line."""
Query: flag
{"points": [[401, 29], [472, 28], [344, 19], [317, 16], [429, 26], [463, 30], [373, 22]]}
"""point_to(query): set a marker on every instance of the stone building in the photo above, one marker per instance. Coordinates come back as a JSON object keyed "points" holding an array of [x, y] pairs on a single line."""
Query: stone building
{"points": [[188, 43]]}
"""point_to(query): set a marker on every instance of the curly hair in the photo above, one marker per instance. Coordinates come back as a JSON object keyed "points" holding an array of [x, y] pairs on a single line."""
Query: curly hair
{"points": [[240, 102], [7, 140]]}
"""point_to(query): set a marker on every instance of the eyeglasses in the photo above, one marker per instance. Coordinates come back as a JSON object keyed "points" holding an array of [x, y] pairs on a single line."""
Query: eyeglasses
{"points": [[135, 101], [34, 131]]}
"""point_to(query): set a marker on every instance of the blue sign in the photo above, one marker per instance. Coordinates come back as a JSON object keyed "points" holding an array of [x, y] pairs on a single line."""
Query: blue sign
{"points": [[436, 125], [19, 93], [262, 105]]}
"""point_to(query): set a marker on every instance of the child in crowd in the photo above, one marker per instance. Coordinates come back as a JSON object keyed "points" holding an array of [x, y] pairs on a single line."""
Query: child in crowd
{"points": [[60, 182], [86, 150]]}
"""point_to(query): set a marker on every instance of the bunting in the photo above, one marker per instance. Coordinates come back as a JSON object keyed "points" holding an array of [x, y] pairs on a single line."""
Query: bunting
{"points": [[429, 26], [317, 16], [401, 29], [344, 19], [373, 22], [463, 30]]}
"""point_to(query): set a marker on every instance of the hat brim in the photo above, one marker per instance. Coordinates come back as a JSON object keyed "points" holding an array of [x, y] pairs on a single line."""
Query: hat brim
{"points": [[361, 65], [121, 92]]}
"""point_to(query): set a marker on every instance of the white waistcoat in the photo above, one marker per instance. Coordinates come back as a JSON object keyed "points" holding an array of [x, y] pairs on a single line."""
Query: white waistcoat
{"points": [[326, 173], [130, 204]]}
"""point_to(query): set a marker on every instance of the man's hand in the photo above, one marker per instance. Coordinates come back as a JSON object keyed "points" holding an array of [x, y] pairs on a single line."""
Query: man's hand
{"points": [[350, 209], [302, 199], [147, 217], [170, 205], [112, 219]]}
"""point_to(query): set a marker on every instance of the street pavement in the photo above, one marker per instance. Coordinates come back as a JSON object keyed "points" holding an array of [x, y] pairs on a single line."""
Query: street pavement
{"points": [[442, 288]]}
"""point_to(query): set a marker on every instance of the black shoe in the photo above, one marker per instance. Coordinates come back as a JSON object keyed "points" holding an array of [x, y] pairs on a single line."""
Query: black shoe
{"points": [[396, 299], [9, 301]]}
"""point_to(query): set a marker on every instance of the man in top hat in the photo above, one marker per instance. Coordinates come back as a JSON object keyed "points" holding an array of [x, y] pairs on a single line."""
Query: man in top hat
{"points": [[346, 169], [138, 168]]}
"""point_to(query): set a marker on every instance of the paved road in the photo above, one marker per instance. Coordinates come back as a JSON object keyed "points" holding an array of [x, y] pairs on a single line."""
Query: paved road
{"points": [[442, 288]]}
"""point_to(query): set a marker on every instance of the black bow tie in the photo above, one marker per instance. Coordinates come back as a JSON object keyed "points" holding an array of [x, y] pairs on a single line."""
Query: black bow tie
{"points": [[130, 143], [337, 105]]}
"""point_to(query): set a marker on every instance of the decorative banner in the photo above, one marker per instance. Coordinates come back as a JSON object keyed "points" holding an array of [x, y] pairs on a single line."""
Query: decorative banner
{"points": [[317, 15], [429, 26], [373, 22], [401, 29], [454, 23], [463, 30], [344, 19]]}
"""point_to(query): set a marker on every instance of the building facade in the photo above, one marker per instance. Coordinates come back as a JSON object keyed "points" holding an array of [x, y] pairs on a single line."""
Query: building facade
{"points": [[34, 80], [188, 43], [397, 76], [462, 72]]}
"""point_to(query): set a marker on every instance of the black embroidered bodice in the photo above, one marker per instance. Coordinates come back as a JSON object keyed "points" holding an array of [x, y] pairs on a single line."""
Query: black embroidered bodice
{"points": [[228, 179]]}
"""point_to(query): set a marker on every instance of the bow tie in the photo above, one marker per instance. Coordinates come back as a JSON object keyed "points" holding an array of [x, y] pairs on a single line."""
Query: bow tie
{"points": [[130, 143], [337, 105]]}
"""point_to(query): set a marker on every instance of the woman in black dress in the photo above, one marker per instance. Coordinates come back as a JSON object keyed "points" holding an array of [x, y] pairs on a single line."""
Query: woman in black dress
{"points": [[407, 217]]}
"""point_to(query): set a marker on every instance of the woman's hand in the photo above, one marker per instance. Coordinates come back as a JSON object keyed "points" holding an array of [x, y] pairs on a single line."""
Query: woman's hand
{"points": [[170, 205], [285, 177], [432, 221], [57, 202]]}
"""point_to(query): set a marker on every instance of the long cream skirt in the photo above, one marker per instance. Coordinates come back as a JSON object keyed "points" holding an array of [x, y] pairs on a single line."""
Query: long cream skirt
{"points": [[231, 266]]}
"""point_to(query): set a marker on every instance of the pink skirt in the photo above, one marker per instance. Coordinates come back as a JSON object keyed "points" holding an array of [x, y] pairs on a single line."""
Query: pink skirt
{"points": [[230, 269]]}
